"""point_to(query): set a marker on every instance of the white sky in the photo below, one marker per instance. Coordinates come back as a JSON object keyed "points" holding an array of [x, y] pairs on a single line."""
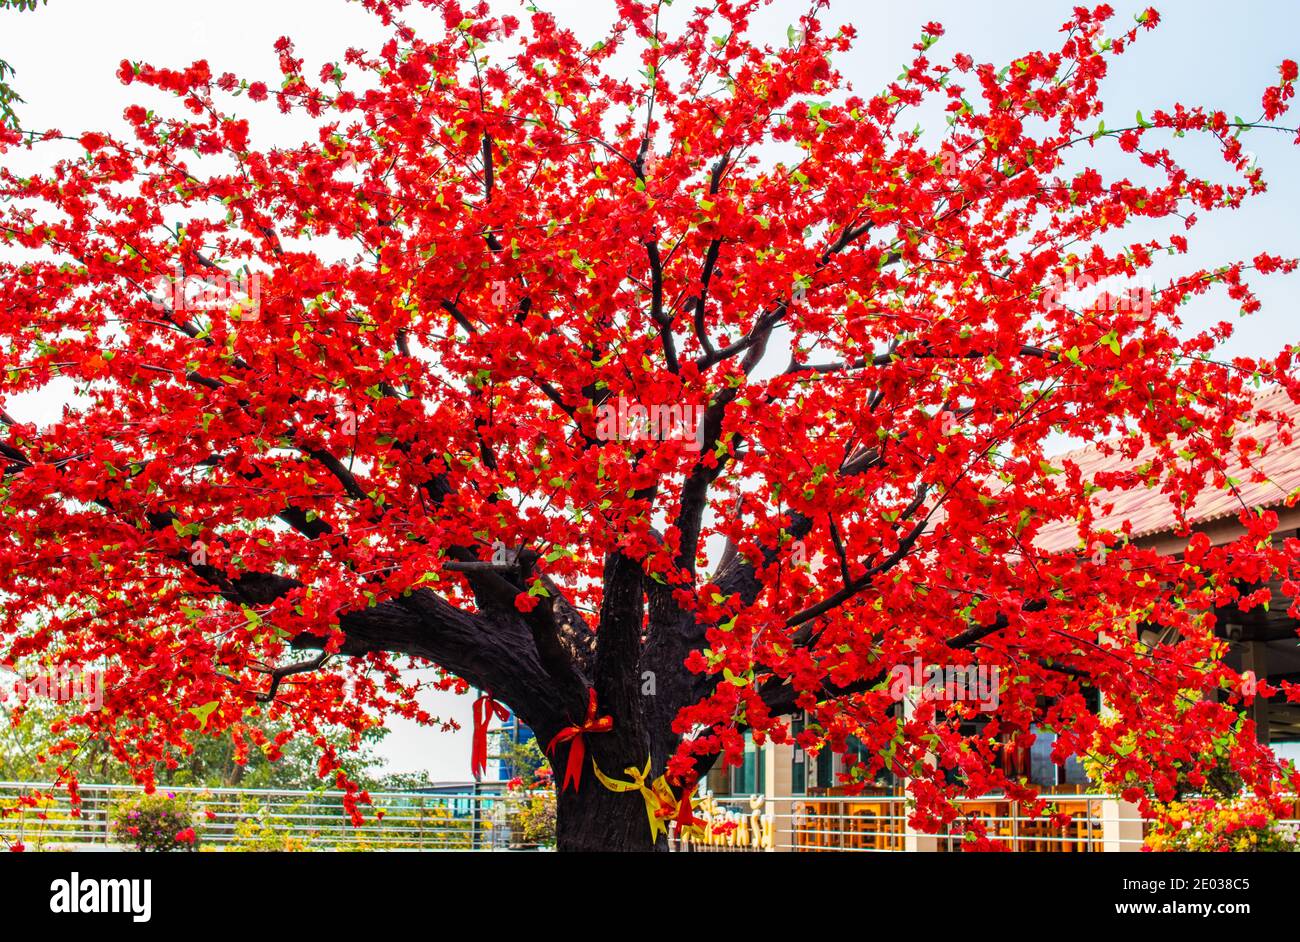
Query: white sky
{"points": [[1207, 52]]}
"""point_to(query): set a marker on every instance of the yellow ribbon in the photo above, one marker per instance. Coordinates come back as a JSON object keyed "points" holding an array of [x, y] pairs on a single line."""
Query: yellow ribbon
{"points": [[656, 795]]}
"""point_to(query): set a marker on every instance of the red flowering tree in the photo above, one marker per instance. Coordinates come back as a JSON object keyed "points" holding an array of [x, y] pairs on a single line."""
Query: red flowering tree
{"points": [[667, 374]]}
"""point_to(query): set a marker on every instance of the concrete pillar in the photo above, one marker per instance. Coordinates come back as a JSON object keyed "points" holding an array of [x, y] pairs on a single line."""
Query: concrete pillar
{"points": [[1121, 826], [915, 841], [778, 787]]}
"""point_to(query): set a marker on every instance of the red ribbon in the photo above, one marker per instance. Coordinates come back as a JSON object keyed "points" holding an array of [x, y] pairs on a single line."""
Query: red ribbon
{"points": [[685, 811], [484, 709], [577, 751]]}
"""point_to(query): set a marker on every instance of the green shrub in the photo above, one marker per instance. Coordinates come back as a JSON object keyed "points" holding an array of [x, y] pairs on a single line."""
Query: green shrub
{"points": [[254, 831], [1208, 824], [155, 822], [259, 837], [534, 821]]}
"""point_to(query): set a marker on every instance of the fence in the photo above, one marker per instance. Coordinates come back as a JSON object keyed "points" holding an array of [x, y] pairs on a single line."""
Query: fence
{"points": [[1085, 823], [258, 819], [879, 823]]}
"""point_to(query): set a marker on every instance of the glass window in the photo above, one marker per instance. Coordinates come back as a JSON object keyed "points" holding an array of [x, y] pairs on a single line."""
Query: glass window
{"points": [[825, 768], [1043, 771], [749, 778], [798, 759]]}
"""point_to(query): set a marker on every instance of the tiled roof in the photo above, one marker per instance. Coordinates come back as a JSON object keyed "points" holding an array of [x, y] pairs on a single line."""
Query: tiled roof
{"points": [[1150, 511]]}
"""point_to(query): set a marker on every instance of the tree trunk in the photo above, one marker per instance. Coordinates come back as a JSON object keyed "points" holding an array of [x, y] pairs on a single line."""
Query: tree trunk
{"points": [[597, 819]]}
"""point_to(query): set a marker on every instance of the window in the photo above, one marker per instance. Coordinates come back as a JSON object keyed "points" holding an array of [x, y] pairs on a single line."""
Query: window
{"points": [[1043, 771], [798, 759], [749, 778], [825, 768]]}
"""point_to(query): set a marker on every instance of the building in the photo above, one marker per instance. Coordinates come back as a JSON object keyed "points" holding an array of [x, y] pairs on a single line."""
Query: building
{"points": [[512, 732], [809, 807]]}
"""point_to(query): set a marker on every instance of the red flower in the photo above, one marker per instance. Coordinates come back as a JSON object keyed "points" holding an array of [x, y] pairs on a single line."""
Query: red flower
{"points": [[696, 663], [257, 91], [1288, 70], [186, 836]]}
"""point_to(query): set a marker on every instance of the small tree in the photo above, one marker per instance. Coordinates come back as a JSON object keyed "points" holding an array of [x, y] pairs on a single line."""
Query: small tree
{"points": [[531, 806], [262, 752], [9, 97], [525, 760]]}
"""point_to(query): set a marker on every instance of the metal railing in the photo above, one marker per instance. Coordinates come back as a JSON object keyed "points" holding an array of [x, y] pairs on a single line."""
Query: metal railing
{"points": [[260, 819], [878, 823], [493, 819], [881, 824]]}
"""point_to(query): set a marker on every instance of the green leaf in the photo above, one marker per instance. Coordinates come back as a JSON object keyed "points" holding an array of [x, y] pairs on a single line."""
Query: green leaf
{"points": [[734, 680], [203, 712]]}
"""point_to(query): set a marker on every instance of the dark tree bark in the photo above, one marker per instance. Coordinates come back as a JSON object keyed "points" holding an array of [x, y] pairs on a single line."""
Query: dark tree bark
{"points": [[596, 819]]}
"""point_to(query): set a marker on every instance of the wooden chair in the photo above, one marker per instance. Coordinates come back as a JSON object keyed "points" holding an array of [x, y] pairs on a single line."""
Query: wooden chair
{"points": [[864, 831]]}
